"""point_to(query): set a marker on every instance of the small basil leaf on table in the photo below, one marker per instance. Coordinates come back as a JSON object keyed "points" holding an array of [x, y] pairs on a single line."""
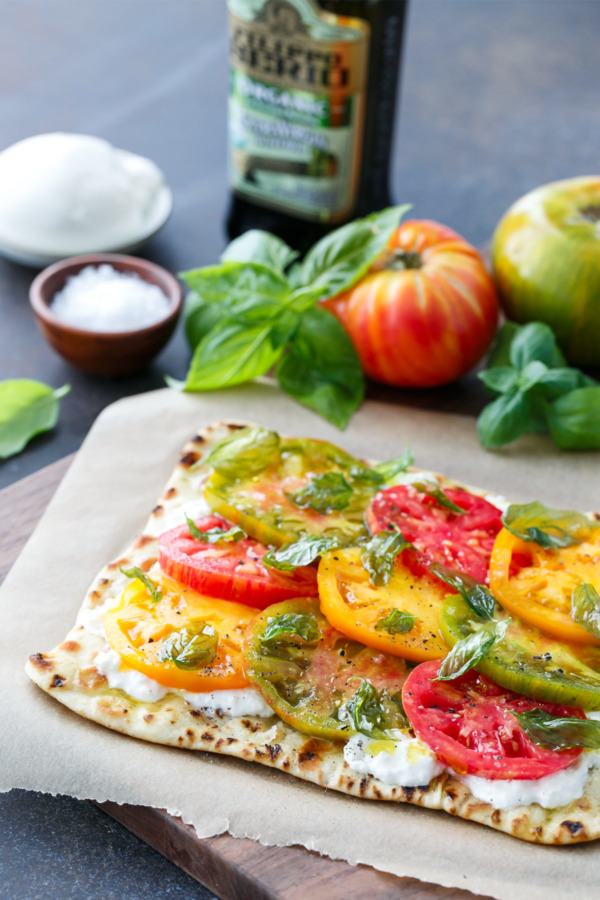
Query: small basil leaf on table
{"points": [[321, 368], [550, 528], [505, 419], [257, 246], [324, 493], [191, 647], [245, 452], [477, 595], [215, 535], [535, 341], [396, 622], [585, 608], [342, 257], [559, 732], [500, 353], [469, 651], [379, 555], [557, 382], [500, 379], [27, 408], [136, 572]]}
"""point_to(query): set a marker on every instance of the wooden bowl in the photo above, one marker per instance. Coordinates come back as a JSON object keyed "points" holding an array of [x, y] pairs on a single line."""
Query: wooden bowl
{"points": [[104, 353]]}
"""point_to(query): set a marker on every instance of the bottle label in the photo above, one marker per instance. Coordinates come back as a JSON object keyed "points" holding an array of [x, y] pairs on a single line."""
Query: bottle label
{"points": [[296, 106]]}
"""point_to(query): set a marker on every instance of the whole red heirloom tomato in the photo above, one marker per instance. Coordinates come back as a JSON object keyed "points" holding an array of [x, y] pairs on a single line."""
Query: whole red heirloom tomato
{"points": [[425, 313]]}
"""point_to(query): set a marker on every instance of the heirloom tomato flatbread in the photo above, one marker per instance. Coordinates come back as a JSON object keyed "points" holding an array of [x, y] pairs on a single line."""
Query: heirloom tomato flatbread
{"points": [[193, 665]]}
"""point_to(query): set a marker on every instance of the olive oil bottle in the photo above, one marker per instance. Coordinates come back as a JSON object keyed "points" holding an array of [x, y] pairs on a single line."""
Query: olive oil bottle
{"points": [[311, 111]]}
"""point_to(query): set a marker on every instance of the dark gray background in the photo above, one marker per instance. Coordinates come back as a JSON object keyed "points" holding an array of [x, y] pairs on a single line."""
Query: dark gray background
{"points": [[498, 96]]}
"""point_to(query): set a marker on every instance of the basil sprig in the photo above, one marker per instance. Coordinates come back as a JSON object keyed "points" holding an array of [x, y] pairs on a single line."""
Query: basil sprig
{"points": [[379, 555], [559, 732], [215, 535], [479, 598], [192, 647], [396, 622], [585, 608], [136, 572], [300, 553], [27, 408], [536, 391], [259, 310], [469, 651], [550, 528]]}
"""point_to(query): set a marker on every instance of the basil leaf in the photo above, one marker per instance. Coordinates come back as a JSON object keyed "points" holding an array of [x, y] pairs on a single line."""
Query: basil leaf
{"points": [[499, 355], [388, 470], [500, 379], [257, 246], [559, 732], [343, 256], [299, 553], [191, 647], [200, 317], [219, 284], [436, 493], [476, 595], [136, 572], [366, 712], [234, 353], [321, 368], [288, 624], [27, 408], [585, 608], [396, 622], [505, 419], [379, 555], [469, 651], [574, 419], [215, 535], [323, 493], [531, 375], [535, 341], [246, 452], [550, 528], [557, 382]]}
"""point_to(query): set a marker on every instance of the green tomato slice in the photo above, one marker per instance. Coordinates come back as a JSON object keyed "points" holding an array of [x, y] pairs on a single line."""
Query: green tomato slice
{"points": [[263, 502], [528, 661], [307, 671]]}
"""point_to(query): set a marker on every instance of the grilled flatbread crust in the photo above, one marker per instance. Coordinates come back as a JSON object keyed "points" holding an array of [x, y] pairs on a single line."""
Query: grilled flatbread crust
{"points": [[69, 675]]}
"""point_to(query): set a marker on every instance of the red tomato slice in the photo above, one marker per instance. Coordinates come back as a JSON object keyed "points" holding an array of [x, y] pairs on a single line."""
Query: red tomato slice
{"points": [[461, 541], [230, 570], [469, 724]]}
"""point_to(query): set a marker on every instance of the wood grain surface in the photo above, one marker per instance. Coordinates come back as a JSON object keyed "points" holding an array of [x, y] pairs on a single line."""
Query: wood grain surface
{"points": [[233, 868]]}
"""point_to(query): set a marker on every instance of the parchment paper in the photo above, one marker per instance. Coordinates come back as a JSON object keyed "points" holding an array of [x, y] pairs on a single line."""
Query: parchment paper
{"points": [[104, 502]]}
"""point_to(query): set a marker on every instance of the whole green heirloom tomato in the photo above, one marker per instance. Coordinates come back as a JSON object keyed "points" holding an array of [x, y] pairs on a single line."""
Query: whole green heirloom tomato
{"points": [[546, 262]]}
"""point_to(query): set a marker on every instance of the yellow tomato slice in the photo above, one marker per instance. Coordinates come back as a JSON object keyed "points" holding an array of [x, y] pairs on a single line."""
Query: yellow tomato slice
{"points": [[537, 584], [139, 628], [356, 607]]}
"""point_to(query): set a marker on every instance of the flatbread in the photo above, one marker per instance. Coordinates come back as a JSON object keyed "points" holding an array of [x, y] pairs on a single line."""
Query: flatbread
{"points": [[68, 674]]}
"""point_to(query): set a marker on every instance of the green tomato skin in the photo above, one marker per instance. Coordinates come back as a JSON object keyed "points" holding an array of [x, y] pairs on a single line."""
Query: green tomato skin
{"points": [[546, 264], [529, 662]]}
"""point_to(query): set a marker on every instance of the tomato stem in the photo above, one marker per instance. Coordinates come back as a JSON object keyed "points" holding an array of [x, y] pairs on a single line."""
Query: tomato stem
{"points": [[591, 213], [402, 259]]}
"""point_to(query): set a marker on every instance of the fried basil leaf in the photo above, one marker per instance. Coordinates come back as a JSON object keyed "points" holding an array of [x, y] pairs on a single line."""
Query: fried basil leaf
{"points": [[248, 451], [136, 572], [191, 647], [299, 553], [289, 624], [550, 528], [215, 535], [396, 622], [585, 608], [476, 594], [559, 732], [471, 650], [323, 493], [379, 555]]}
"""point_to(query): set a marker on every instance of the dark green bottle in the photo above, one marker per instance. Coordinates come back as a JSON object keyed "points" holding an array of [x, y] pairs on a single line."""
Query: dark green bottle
{"points": [[311, 114]]}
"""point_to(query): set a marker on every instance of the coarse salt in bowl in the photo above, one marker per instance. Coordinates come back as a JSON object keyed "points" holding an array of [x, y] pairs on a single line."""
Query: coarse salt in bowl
{"points": [[106, 314]]}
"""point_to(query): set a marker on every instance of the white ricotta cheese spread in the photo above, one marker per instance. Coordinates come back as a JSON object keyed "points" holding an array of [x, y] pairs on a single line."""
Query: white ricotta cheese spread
{"points": [[406, 761]]}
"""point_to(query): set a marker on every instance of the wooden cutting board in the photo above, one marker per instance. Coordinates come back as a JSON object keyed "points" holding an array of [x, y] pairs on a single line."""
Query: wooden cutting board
{"points": [[234, 869]]}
